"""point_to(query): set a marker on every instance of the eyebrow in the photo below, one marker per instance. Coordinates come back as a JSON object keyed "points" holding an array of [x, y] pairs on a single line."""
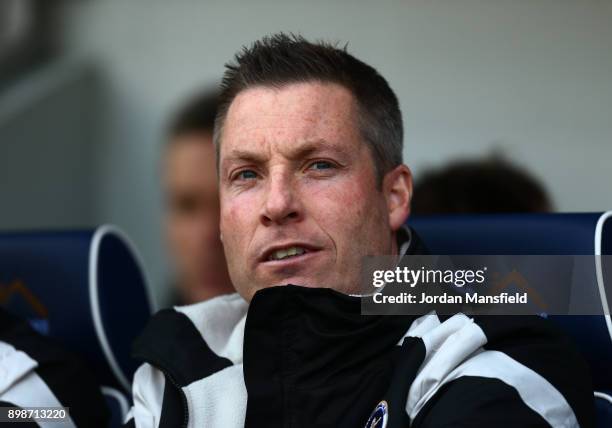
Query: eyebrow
{"points": [[303, 150], [243, 155], [310, 147]]}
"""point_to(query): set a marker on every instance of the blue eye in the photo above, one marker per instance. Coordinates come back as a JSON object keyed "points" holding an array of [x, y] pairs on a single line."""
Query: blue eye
{"points": [[319, 165], [247, 174]]}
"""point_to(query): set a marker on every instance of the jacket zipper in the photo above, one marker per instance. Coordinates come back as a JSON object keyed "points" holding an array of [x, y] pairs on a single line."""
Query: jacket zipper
{"points": [[183, 398], [177, 386]]}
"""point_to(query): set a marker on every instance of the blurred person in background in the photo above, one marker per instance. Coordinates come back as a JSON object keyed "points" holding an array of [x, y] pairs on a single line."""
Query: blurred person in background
{"points": [[192, 203], [490, 185]]}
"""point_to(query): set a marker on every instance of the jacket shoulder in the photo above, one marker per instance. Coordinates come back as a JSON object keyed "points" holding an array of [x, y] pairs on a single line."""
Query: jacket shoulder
{"points": [[171, 343]]}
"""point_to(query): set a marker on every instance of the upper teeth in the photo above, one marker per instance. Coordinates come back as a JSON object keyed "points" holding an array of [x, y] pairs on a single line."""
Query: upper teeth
{"points": [[292, 251]]}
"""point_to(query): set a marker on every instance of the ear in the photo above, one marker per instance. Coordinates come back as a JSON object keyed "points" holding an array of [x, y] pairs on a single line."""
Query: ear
{"points": [[397, 188]]}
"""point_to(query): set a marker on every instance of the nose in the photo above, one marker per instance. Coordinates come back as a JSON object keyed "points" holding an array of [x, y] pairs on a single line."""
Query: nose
{"points": [[281, 204]]}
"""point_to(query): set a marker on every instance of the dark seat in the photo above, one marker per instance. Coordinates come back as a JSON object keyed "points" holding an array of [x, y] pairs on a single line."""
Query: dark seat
{"points": [[87, 290]]}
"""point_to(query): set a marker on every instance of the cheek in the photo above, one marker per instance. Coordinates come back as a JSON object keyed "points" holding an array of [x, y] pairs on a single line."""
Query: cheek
{"points": [[351, 213], [236, 218], [341, 208]]}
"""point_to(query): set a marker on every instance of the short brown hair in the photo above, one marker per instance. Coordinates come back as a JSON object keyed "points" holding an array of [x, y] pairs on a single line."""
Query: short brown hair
{"points": [[282, 59]]}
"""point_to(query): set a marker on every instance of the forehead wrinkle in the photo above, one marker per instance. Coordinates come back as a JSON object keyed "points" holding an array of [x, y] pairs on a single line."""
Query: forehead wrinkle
{"points": [[301, 149], [294, 151], [283, 130], [242, 154]]}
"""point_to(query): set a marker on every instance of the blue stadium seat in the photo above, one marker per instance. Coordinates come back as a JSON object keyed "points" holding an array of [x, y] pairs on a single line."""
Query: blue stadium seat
{"points": [[87, 290], [566, 234]]}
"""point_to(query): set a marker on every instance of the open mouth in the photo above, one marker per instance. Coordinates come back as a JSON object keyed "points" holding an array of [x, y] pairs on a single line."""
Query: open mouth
{"points": [[286, 253]]}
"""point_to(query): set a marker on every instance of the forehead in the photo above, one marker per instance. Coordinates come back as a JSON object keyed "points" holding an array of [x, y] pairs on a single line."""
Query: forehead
{"points": [[289, 114]]}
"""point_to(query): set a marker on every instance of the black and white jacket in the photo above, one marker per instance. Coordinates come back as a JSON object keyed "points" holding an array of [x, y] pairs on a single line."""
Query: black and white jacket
{"points": [[302, 357], [36, 372]]}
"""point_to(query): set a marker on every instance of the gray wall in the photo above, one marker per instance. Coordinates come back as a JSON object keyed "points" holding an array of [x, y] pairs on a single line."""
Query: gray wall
{"points": [[46, 149], [533, 78]]}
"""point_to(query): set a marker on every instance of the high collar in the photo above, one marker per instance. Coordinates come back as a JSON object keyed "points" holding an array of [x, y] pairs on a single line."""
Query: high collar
{"points": [[304, 347]]}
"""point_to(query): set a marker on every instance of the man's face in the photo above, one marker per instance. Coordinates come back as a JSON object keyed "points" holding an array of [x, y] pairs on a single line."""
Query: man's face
{"points": [[299, 197], [192, 220]]}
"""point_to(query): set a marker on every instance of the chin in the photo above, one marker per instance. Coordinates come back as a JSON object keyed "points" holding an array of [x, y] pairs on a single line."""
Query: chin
{"points": [[302, 282]]}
